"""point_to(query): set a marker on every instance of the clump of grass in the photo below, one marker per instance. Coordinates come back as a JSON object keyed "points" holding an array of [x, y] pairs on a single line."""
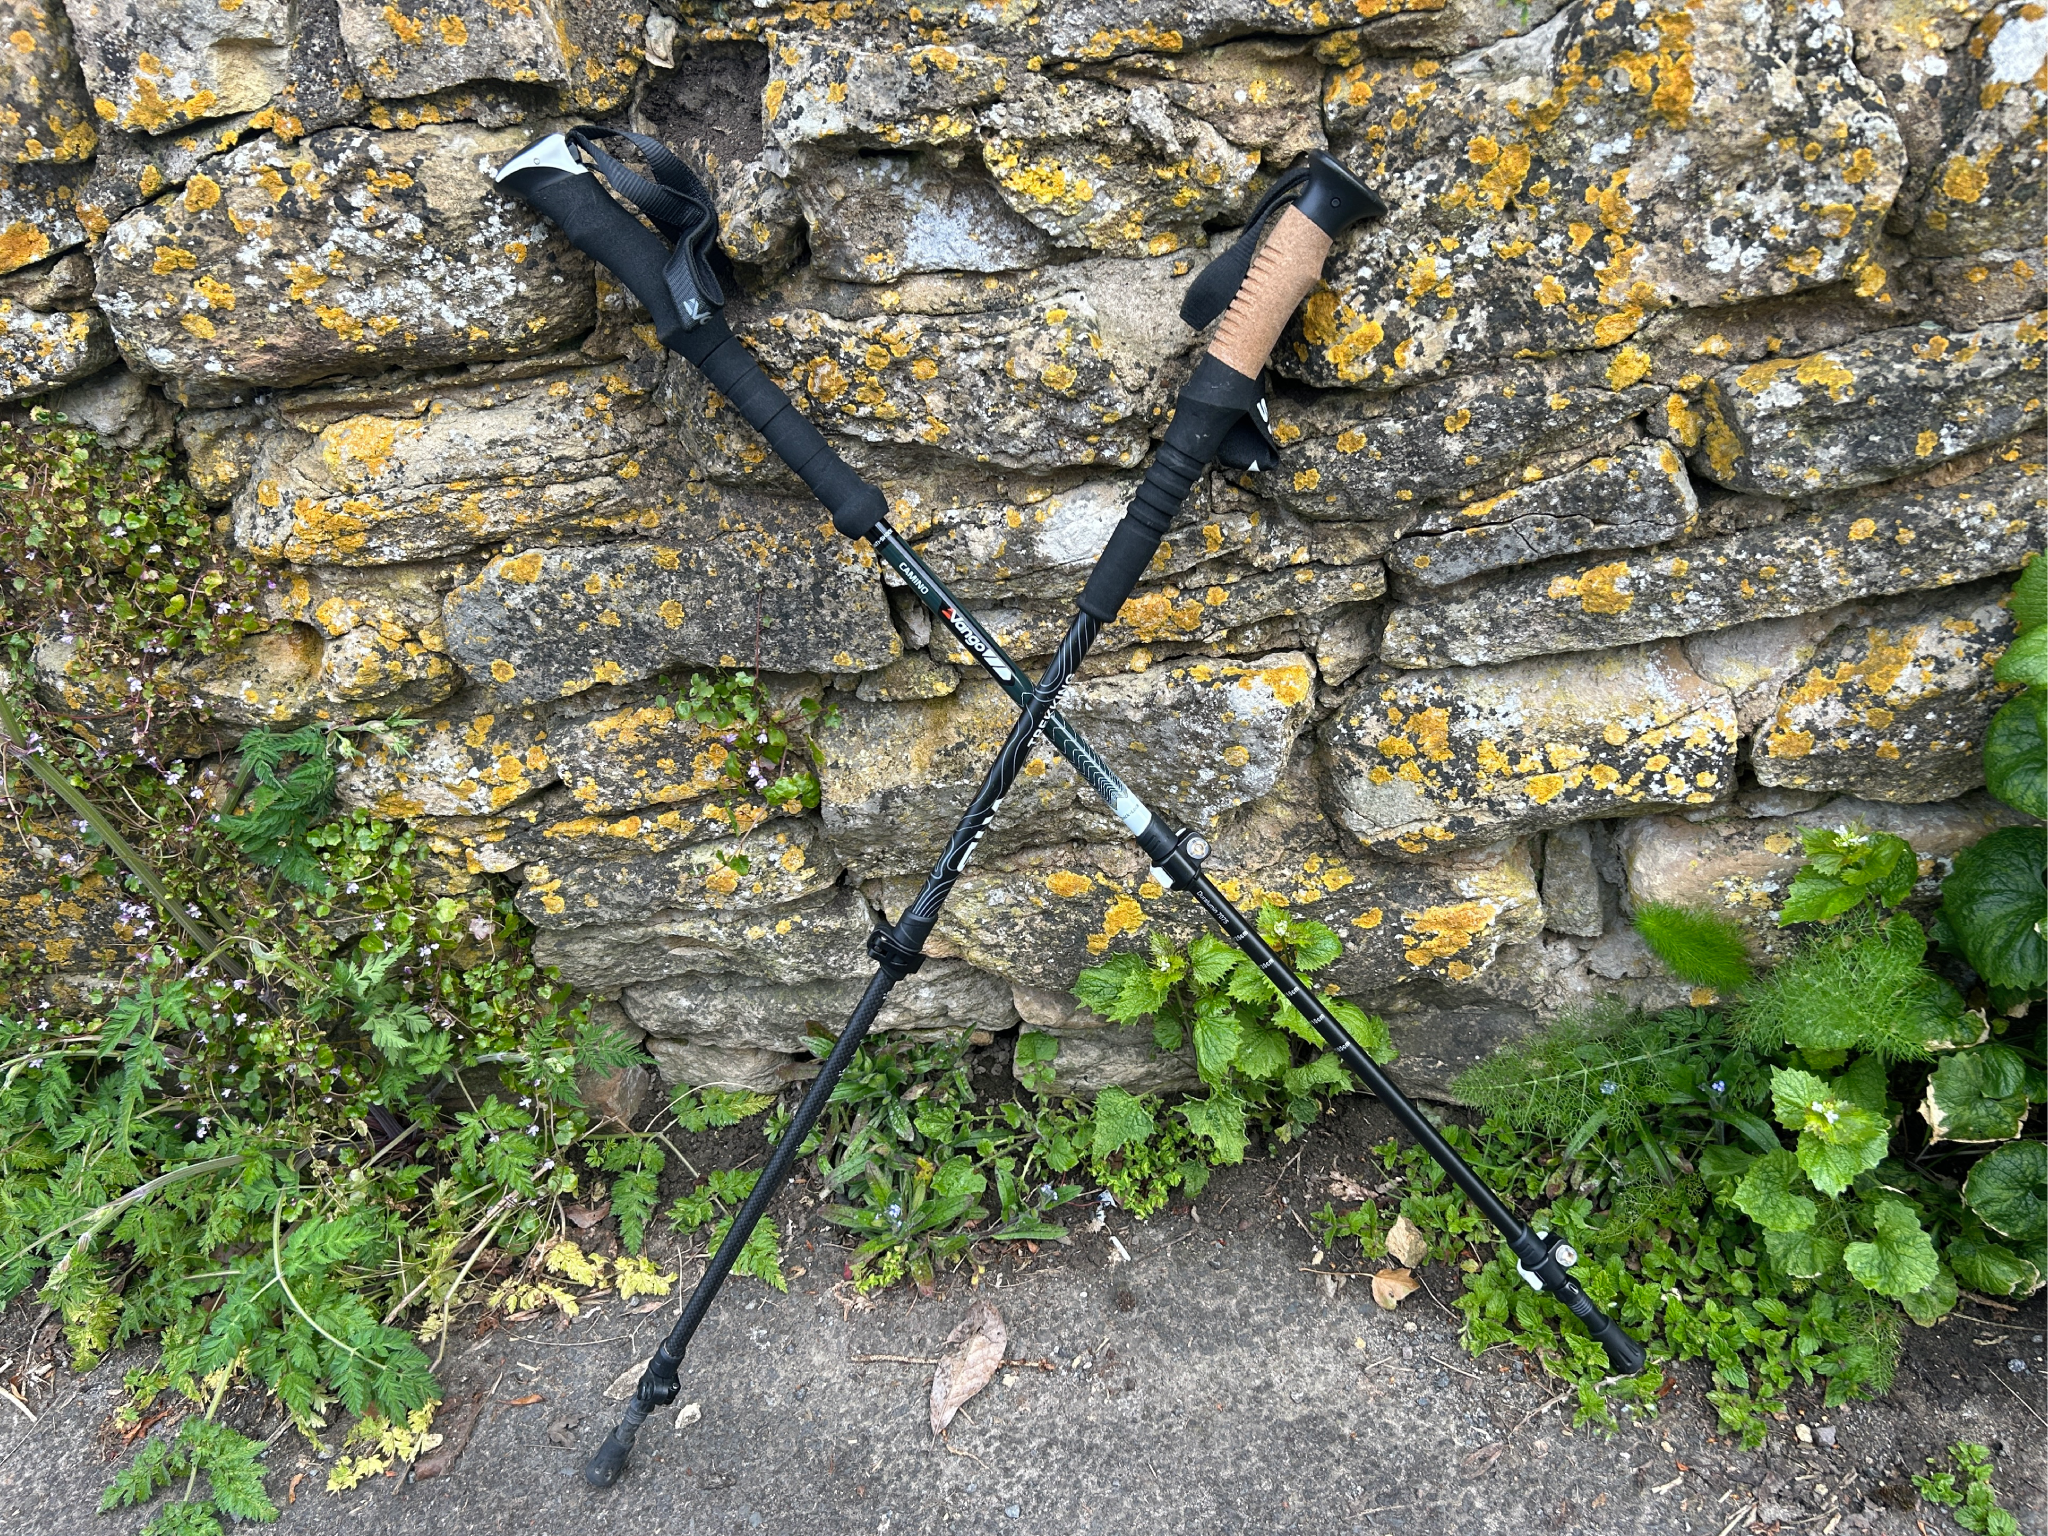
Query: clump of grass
{"points": [[1704, 948]]}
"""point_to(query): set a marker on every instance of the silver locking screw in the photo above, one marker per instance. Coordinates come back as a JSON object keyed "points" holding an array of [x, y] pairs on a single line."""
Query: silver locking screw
{"points": [[1565, 1254], [1198, 848]]}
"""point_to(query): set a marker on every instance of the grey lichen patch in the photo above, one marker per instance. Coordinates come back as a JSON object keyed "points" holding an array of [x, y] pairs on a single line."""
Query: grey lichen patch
{"points": [[1627, 500], [1924, 535], [779, 592], [1894, 402], [1554, 191], [1417, 762], [822, 90], [1895, 704], [347, 251], [875, 218]]}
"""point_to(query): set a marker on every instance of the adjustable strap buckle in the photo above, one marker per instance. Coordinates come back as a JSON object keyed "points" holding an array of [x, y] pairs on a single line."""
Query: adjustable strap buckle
{"points": [[1250, 445], [680, 206]]}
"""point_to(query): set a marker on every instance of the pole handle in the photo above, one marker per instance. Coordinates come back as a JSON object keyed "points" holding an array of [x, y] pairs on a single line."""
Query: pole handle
{"points": [[1285, 271], [548, 175]]}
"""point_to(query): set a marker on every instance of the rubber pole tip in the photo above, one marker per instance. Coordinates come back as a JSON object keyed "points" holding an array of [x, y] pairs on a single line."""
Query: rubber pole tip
{"points": [[609, 1464]]}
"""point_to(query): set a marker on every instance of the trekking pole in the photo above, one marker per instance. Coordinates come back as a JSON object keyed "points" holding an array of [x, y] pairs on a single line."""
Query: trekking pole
{"points": [[1263, 292]]}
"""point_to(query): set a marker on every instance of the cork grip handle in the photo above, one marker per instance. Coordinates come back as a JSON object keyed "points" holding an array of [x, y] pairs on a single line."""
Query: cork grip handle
{"points": [[1285, 270]]}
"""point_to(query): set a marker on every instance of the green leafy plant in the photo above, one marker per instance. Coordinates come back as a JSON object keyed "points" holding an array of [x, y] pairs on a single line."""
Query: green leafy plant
{"points": [[1705, 948], [1848, 869], [1246, 1037], [713, 1203], [757, 740], [1974, 1501], [234, 1480], [934, 1174]]}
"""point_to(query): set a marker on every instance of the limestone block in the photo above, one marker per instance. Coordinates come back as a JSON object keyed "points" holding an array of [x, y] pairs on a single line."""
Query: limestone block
{"points": [[1745, 867], [221, 446], [1101, 169], [1554, 190], [1373, 456], [348, 251], [1109, 29], [457, 763], [417, 46], [45, 115], [1926, 534], [1039, 919], [1895, 703], [1754, 661], [916, 676], [732, 1012], [382, 627], [602, 872], [759, 216], [119, 406], [38, 213], [823, 90], [1418, 760], [1893, 402], [39, 349], [1627, 500], [155, 64], [1986, 194], [57, 907], [638, 754], [1006, 374], [1972, 291], [822, 936], [1571, 882], [1194, 741], [1120, 1058], [683, 1064], [782, 594], [875, 218], [443, 471], [272, 678]]}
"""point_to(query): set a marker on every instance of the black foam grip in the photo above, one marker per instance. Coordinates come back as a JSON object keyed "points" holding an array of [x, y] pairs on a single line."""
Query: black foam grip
{"points": [[855, 505], [1210, 404], [605, 232]]}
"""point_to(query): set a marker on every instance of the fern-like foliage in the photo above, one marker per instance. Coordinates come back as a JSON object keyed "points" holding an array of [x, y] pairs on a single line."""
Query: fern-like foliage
{"points": [[1606, 1066], [1705, 948], [1859, 986], [283, 803]]}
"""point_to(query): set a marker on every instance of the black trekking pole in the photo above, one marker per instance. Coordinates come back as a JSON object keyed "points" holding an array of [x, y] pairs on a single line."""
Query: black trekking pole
{"points": [[1262, 292]]}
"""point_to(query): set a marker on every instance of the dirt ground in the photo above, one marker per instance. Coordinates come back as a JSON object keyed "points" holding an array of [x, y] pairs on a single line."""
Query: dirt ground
{"points": [[1206, 1383]]}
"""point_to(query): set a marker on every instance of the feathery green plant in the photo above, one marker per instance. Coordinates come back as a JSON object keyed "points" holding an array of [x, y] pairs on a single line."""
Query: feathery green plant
{"points": [[1857, 984], [1705, 948]]}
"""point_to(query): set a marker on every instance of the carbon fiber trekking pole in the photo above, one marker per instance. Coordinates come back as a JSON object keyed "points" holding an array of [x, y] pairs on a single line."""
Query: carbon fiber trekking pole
{"points": [[681, 294]]}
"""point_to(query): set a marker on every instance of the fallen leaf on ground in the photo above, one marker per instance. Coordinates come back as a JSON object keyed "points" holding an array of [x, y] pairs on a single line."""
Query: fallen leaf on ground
{"points": [[1407, 1244], [521, 1402], [562, 1431], [587, 1216], [1390, 1286], [655, 1304], [687, 1415], [1345, 1187], [968, 1362], [457, 1429]]}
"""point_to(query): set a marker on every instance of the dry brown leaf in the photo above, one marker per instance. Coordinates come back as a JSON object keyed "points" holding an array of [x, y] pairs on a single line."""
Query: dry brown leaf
{"points": [[587, 1216], [626, 1382], [458, 1428], [522, 1402], [968, 1362], [1407, 1244], [1390, 1286], [1345, 1187]]}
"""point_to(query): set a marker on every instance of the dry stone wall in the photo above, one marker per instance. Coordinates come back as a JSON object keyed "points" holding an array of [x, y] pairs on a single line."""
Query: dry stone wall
{"points": [[1652, 474]]}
